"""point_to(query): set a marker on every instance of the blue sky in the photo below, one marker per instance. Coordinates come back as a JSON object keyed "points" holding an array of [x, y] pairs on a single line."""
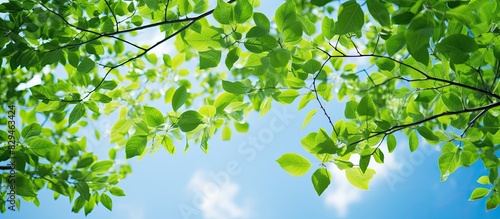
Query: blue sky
{"points": [[240, 179]]}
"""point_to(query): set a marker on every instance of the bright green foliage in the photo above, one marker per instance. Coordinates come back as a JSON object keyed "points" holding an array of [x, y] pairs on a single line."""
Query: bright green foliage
{"points": [[433, 74], [359, 179], [153, 116], [479, 193], [294, 164], [179, 98], [350, 18], [321, 179], [135, 146]]}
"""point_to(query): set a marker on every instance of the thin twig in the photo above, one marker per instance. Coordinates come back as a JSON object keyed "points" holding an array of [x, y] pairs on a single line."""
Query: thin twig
{"points": [[113, 13]]}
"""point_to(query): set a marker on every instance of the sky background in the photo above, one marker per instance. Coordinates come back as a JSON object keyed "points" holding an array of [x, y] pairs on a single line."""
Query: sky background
{"points": [[241, 179]]}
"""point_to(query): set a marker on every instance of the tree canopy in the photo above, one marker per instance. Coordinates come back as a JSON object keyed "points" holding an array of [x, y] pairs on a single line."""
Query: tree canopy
{"points": [[432, 74]]}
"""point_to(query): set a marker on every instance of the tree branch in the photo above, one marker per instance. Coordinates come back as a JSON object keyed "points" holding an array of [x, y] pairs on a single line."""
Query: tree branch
{"points": [[99, 35], [403, 126], [317, 97], [427, 76], [145, 50], [113, 13]]}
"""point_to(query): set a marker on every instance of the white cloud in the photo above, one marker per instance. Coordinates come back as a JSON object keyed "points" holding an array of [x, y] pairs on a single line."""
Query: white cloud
{"points": [[217, 198], [343, 194]]}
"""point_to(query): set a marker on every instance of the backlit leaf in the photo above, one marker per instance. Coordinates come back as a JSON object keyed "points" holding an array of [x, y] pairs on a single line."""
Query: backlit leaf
{"points": [[294, 164]]}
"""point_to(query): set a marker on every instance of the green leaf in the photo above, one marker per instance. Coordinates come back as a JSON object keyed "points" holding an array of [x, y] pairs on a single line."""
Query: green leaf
{"points": [[350, 109], [235, 87], [350, 18], [311, 66], [116, 191], [391, 143], [223, 12], [385, 64], [448, 163], [325, 90], [413, 139], [184, 7], [41, 147], [261, 20], [378, 11], [232, 56], [24, 186], [308, 117], [168, 144], [483, 180], [292, 32], [106, 201], [206, 39], [243, 11], [492, 202], [328, 28], [33, 129], [427, 133], [279, 58], [366, 107], [179, 98], [76, 113], [51, 106], [226, 133], [83, 189], [395, 43], [108, 85], [78, 204], [294, 164], [241, 127], [478, 193], [324, 143], [402, 16], [52, 57], [469, 154], [265, 106], [457, 47], [358, 179], [295, 83], [208, 111], [84, 162], [100, 98], [321, 180], [342, 164], [320, 2], [379, 156], [288, 96], [153, 4], [153, 116], [308, 26], [101, 167], [86, 65], [285, 15], [490, 160], [261, 44], [496, 51], [417, 36], [135, 146], [137, 20], [364, 161], [209, 58], [306, 99], [189, 120]]}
